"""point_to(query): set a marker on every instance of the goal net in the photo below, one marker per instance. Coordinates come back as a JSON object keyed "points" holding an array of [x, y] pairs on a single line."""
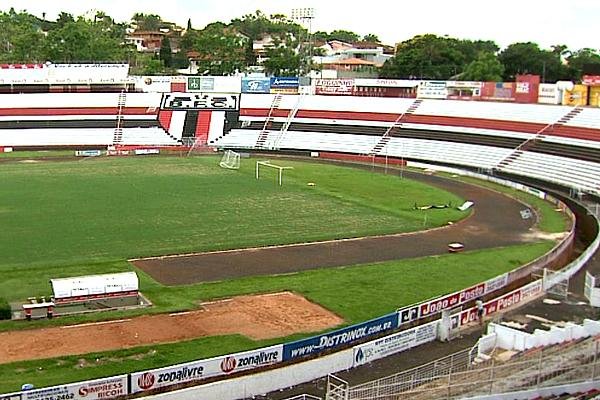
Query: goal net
{"points": [[230, 160], [267, 164]]}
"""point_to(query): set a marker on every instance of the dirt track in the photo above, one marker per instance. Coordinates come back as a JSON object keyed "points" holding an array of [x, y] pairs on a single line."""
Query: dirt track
{"points": [[496, 221], [257, 317]]}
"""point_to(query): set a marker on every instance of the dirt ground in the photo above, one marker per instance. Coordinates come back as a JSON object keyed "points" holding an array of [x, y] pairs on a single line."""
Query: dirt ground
{"points": [[258, 317]]}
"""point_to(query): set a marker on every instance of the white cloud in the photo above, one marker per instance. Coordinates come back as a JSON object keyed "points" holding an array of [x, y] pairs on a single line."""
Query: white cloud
{"points": [[545, 22]]}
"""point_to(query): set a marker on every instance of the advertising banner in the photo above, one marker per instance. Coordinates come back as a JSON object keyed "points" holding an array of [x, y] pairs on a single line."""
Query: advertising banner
{"points": [[256, 85], [202, 369], [431, 307], [395, 343], [498, 91], [548, 93], [151, 84], [432, 90], [143, 152], [402, 83], [217, 84], [200, 101], [527, 88], [592, 80], [287, 85], [343, 87], [99, 389], [200, 84], [498, 304], [577, 96], [88, 153], [452, 300], [339, 337]]}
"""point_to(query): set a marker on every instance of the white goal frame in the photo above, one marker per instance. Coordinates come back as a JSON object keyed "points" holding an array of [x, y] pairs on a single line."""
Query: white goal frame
{"points": [[268, 164], [230, 160]]}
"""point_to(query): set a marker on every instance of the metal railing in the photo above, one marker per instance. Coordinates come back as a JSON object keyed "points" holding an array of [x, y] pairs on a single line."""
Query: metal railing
{"points": [[458, 376]]}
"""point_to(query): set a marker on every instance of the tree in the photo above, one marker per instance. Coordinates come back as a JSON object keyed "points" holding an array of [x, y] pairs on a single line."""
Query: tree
{"points": [[189, 24], [583, 61], [485, 68], [344, 36], [166, 54], [425, 57], [153, 67], [84, 41], [21, 39], [528, 58], [63, 19], [147, 22], [471, 50], [371, 38], [282, 61], [320, 36], [521, 58], [221, 49]]}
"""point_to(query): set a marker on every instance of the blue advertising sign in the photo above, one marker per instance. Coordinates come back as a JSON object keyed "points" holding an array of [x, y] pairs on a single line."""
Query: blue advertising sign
{"points": [[256, 85], [286, 82], [344, 336]]}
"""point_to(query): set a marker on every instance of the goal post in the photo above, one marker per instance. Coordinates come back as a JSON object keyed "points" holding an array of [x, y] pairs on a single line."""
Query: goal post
{"points": [[230, 160], [268, 164]]}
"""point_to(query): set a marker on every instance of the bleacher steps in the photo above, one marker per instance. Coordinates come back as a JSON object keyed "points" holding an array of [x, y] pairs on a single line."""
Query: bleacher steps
{"points": [[385, 138], [264, 133]]}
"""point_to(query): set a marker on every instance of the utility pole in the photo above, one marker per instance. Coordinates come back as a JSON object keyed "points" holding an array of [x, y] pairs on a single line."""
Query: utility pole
{"points": [[304, 16]]}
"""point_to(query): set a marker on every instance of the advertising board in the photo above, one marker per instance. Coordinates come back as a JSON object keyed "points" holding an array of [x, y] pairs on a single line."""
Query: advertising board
{"points": [[396, 343], [287, 85], [256, 85], [339, 337], [548, 93], [343, 87], [88, 153], [432, 90], [98, 389], [434, 306], [498, 304], [202, 369], [213, 84]]}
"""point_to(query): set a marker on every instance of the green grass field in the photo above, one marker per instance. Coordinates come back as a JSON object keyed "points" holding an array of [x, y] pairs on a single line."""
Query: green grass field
{"points": [[79, 213], [82, 217]]}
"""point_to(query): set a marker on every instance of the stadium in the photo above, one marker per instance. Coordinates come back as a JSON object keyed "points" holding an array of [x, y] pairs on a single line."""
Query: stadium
{"points": [[277, 238]]}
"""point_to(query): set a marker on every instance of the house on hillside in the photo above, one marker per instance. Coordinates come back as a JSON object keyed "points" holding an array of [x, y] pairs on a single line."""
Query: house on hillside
{"points": [[151, 41], [350, 60]]}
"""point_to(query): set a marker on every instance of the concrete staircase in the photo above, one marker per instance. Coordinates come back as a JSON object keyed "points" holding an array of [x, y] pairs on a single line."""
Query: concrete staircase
{"points": [[385, 139]]}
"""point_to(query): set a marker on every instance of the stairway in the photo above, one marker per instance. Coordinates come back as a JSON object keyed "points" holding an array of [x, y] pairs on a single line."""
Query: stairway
{"points": [[288, 122], [384, 140], [261, 141], [538, 137], [118, 132]]}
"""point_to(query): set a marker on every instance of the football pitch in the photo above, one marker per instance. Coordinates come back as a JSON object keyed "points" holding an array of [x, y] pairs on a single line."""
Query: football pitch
{"points": [[84, 212]]}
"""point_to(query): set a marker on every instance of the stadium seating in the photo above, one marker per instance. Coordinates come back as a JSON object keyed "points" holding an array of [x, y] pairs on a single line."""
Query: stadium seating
{"points": [[559, 144], [84, 137]]}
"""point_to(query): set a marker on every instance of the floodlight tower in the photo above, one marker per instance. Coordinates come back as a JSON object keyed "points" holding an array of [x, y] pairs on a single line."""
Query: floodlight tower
{"points": [[304, 16]]}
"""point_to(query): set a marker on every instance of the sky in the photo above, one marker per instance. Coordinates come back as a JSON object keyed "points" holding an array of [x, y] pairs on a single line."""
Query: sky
{"points": [[545, 22]]}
